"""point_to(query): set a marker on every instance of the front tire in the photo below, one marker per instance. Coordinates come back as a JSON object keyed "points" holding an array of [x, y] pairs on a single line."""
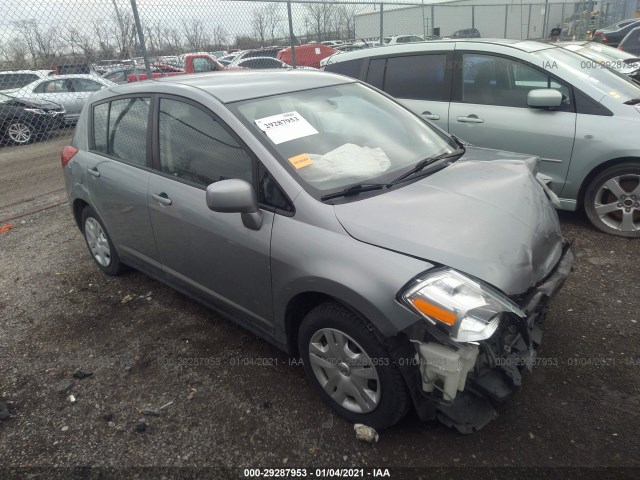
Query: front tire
{"points": [[350, 367], [612, 200], [99, 243], [19, 132]]}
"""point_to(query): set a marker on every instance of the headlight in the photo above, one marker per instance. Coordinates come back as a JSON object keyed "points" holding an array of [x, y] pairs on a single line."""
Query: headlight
{"points": [[469, 310], [37, 111]]}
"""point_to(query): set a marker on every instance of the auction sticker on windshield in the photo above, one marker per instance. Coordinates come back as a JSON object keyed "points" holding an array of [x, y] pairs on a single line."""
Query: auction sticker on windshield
{"points": [[285, 127]]}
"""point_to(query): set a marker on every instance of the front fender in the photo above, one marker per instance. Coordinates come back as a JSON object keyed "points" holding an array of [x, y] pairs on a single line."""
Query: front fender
{"points": [[306, 258]]}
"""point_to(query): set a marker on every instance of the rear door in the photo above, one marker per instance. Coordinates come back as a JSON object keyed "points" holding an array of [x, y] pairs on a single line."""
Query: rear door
{"points": [[211, 254], [489, 109], [117, 171], [421, 81]]}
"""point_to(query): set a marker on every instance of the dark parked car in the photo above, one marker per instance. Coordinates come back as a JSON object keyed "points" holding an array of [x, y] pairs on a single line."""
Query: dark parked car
{"points": [[466, 33], [614, 34], [23, 121], [631, 43]]}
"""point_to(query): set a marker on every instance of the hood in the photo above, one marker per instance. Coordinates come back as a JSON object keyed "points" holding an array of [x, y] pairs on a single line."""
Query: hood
{"points": [[35, 103], [489, 219]]}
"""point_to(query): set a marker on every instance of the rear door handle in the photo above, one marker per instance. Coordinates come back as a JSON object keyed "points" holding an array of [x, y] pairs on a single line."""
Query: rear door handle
{"points": [[430, 116], [93, 171], [470, 119], [162, 198]]}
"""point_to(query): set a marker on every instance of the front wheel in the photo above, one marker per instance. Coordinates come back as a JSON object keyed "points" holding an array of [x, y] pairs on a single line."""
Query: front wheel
{"points": [[350, 367], [19, 133], [612, 200]]}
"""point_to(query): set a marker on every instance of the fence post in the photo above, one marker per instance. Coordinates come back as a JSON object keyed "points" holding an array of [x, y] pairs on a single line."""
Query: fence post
{"points": [[143, 47], [529, 22], [545, 26], [433, 19], [473, 16], [292, 37], [381, 23], [506, 19]]}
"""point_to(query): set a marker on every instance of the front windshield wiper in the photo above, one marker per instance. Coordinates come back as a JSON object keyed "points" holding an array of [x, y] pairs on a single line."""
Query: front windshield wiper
{"points": [[421, 165], [355, 190], [633, 101]]}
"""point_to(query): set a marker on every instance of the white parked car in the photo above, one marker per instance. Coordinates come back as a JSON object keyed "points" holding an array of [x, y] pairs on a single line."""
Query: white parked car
{"points": [[12, 80], [70, 91], [395, 39]]}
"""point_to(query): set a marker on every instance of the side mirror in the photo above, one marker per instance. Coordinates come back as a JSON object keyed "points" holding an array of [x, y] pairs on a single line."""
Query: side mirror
{"points": [[544, 98], [235, 196]]}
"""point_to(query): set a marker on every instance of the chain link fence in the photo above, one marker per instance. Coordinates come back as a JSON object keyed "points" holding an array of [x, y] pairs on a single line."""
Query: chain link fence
{"points": [[55, 53]]}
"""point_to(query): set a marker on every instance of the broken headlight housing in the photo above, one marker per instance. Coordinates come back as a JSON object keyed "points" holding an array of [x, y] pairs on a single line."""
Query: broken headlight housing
{"points": [[468, 309]]}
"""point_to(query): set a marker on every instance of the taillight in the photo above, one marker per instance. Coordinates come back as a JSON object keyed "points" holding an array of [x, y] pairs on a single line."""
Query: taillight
{"points": [[67, 154], [605, 38]]}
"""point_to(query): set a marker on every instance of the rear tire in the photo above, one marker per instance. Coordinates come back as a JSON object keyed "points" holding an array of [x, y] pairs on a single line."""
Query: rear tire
{"points": [[612, 200], [99, 243], [350, 367]]}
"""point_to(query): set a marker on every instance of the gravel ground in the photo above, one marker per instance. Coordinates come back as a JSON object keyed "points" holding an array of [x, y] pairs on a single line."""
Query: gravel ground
{"points": [[235, 401]]}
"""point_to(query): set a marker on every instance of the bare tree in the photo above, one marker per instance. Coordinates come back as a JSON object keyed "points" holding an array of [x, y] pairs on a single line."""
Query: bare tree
{"points": [[81, 41], [347, 20], [320, 16], [259, 24], [105, 42], [125, 34], [273, 19], [43, 45], [220, 37], [194, 34]]}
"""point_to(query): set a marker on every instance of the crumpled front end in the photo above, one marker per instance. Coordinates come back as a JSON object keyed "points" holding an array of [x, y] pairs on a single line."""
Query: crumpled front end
{"points": [[456, 382]]}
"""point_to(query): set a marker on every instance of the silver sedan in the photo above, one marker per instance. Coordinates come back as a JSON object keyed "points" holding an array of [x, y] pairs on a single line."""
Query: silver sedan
{"points": [[70, 91]]}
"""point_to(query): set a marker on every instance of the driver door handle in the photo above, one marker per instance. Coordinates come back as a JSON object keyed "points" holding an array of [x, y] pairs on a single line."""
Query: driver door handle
{"points": [[470, 119], [161, 198], [430, 116]]}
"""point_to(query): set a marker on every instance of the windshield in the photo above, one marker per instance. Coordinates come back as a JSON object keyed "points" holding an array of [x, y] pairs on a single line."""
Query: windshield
{"points": [[608, 56], [334, 137], [601, 77]]}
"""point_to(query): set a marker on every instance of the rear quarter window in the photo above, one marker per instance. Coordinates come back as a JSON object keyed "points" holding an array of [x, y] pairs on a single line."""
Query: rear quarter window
{"points": [[350, 68]]}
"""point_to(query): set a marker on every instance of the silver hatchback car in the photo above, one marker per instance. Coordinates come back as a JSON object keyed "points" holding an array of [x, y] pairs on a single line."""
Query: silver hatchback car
{"points": [[401, 265]]}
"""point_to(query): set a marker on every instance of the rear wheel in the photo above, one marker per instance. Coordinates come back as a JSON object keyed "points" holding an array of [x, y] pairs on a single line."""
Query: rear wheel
{"points": [[19, 132], [612, 200], [350, 367], [99, 243]]}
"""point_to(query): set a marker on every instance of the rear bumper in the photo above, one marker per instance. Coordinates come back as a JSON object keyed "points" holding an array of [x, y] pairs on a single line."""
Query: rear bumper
{"points": [[497, 364]]}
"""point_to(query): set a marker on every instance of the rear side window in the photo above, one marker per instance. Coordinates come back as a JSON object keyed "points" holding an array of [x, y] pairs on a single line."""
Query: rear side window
{"points": [[120, 129], [54, 86], [100, 127], [375, 75], [419, 77], [197, 148], [350, 68]]}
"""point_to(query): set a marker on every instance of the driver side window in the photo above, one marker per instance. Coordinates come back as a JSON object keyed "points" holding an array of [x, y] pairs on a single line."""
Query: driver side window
{"points": [[492, 80]]}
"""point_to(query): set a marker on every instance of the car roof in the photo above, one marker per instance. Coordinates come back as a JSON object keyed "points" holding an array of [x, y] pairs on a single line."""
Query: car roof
{"points": [[35, 72], [239, 85], [449, 44]]}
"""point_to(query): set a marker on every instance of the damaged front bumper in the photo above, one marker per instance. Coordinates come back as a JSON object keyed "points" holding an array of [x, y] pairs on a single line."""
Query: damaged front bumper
{"points": [[456, 383]]}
